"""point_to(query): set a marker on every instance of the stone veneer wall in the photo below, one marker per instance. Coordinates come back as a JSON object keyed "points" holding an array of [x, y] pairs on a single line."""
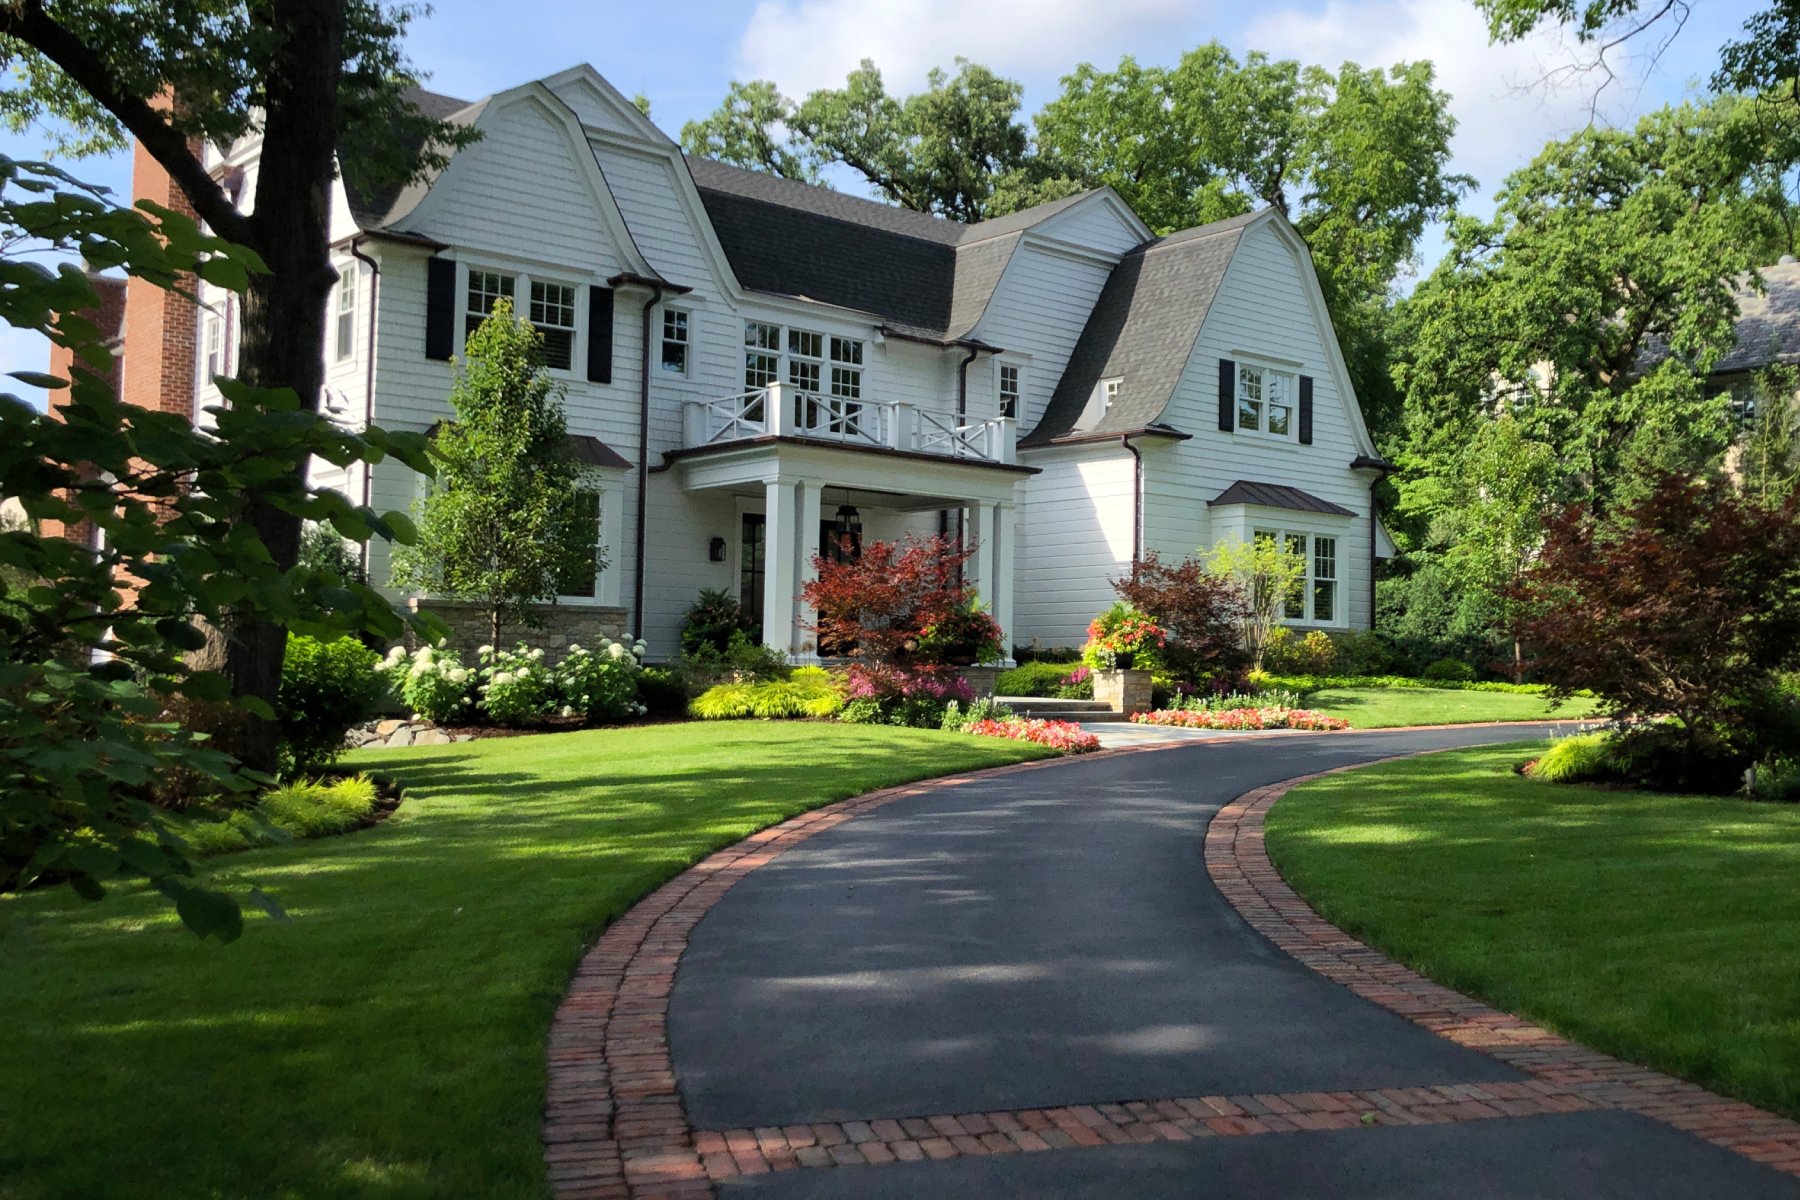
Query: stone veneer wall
{"points": [[563, 625]]}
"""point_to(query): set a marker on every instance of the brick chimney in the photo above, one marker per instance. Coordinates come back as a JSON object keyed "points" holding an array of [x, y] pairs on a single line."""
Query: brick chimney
{"points": [[161, 327]]}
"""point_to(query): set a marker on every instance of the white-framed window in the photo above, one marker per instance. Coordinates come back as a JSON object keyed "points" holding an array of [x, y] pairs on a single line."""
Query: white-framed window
{"points": [[846, 368], [806, 360], [214, 355], [1109, 394], [676, 333], [1010, 393], [346, 313], [1265, 401], [553, 316], [1315, 594], [762, 354], [580, 580], [486, 288]]}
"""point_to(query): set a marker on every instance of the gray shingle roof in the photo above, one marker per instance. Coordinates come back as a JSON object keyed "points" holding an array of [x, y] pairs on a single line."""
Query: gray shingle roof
{"points": [[1278, 495], [929, 275], [1768, 325], [374, 206], [1142, 330]]}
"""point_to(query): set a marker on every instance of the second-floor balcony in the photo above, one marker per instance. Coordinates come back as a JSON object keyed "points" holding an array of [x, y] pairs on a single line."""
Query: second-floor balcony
{"points": [[783, 411]]}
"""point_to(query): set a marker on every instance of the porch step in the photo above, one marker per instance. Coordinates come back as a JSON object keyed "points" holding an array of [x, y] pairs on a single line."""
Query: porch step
{"points": [[1052, 709]]}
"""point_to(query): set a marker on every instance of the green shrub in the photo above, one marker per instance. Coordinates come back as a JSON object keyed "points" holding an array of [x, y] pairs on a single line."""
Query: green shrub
{"points": [[742, 658], [1577, 759], [326, 687], [663, 692], [1777, 780], [1364, 652], [1041, 679], [710, 623], [959, 716], [1285, 651], [1452, 669], [1307, 684], [517, 686], [311, 809], [808, 692]]}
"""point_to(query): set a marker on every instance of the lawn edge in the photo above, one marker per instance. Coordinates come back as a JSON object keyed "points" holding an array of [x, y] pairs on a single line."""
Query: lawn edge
{"points": [[615, 1127], [1238, 862]]}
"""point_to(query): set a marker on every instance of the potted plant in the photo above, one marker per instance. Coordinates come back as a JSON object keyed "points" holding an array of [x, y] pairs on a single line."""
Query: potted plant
{"points": [[1121, 648], [966, 637]]}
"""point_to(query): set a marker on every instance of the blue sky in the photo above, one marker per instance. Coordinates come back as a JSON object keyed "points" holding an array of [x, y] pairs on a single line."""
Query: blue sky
{"points": [[682, 56]]}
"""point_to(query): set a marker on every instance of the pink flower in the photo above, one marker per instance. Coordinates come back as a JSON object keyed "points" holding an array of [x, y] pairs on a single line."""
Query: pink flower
{"points": [[1065, 736], [1243, 718]]}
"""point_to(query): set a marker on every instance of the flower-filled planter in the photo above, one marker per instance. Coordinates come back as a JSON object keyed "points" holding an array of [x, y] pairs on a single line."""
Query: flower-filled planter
{"points": [[1123, 691]]}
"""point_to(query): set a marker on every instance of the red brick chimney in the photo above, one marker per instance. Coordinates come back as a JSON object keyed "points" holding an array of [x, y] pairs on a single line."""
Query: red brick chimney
{"points": [[161, 326]]}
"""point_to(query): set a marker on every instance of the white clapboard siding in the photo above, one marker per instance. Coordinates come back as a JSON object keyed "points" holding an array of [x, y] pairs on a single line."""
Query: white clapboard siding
{"points": [[1261, 309], [1037, 313], [1074, 538], [1097, 223]]}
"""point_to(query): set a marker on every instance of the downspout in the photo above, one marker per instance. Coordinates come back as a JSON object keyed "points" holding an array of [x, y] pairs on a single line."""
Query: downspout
{"points": [[1137, 502], [368, 488], [962, 412], [657, 291]]}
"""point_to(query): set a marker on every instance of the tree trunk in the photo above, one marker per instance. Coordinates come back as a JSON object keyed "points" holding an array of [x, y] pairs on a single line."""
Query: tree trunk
{"points": [[283, 339], [494, 628]]}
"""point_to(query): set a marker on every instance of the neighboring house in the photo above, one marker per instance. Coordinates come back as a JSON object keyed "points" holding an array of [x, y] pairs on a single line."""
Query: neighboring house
{"points": [[756, 366], [1768, 335]]}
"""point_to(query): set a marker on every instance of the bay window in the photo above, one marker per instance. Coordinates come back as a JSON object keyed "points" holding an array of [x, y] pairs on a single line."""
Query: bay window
{"points": [[1315, 593]]}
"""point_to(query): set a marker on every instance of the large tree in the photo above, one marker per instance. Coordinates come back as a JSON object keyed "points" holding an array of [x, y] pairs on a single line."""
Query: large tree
{"points": [[1594, 304], [307, 76]]}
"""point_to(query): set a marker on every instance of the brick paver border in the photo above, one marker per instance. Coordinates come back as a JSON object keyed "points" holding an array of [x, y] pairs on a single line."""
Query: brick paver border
{"points": [[1239, 864]]}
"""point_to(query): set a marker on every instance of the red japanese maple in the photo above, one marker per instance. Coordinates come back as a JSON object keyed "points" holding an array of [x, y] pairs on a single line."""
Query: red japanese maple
{"points": [[1199, 610], [888, 603]]}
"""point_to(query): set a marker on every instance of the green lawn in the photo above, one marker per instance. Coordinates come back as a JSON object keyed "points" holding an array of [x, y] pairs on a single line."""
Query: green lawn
{"points": [[1385, 708], [1662, 929], [390, 1042]]}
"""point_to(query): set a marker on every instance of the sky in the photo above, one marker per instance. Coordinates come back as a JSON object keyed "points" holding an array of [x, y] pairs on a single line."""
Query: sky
{"points": [[683, 56]]}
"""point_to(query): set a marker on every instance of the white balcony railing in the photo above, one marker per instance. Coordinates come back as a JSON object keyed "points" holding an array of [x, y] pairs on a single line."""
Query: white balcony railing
{"points": [[780, 410]]}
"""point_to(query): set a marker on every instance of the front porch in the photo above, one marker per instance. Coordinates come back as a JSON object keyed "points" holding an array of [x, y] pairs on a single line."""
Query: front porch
{"points": [[795, 497]]}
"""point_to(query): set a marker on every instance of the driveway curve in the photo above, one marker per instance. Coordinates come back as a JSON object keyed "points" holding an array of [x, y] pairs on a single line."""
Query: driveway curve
{"points": [[1040, 958]]}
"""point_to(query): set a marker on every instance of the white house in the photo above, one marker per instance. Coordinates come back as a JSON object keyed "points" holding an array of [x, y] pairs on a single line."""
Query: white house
{"points": [[752, 362]]}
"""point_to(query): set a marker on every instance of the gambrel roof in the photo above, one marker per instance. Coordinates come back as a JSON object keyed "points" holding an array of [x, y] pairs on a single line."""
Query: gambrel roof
{"points": [[1142, 330], [929, 276]]}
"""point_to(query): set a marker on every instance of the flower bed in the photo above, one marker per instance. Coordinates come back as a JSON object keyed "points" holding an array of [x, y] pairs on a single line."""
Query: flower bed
{"points": [[1065, 736], [1242, 718]]}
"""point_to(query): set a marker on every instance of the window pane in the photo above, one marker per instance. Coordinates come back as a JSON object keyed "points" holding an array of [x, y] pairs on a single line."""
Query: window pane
{"points": [[846, 350], [674, 357], [1294, 608], [1249, 414], [1324, 600], [759, 369], [762, 335], [1325, 557], [803, 375], [485, 288], [1009, 391], [346, 335], [578, 577], [675, 341], [553, 304], [1278, 419], [1250, 384], [846, 382], [750, 566], [806, 344], [559, 347]]}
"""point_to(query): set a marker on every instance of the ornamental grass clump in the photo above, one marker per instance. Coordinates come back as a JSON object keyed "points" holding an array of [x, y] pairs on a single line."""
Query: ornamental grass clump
{"points": [[1584, 758], [807, 692]]}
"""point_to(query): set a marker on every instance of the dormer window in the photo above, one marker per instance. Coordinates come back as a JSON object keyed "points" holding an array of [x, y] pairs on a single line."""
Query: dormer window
{"points": [[1109, 392], [1009, 390], [675, 342]]}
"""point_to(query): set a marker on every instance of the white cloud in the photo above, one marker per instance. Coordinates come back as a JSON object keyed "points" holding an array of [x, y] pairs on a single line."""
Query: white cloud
{"points": [[807, 44], [1505, 109]]}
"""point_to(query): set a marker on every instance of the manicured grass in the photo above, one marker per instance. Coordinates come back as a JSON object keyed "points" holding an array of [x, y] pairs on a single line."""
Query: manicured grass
{"points": [[1385, 708], [390, 1042], [1662, 929]]}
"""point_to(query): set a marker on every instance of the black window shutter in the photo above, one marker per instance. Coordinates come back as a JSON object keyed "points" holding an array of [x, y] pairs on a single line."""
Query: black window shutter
{"points": [[600, 334], [1227, 395], [1306, 410], [440, 308]]}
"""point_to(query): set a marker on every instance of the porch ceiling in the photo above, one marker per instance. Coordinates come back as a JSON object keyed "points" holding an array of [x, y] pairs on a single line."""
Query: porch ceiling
{"points": [[886, 478]]}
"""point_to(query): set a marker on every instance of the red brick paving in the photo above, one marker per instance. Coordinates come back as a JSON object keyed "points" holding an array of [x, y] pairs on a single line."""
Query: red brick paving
{"points": [[1239, 865]]}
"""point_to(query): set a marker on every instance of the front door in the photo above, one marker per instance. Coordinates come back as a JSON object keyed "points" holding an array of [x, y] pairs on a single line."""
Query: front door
{"points": [[753, 565]]}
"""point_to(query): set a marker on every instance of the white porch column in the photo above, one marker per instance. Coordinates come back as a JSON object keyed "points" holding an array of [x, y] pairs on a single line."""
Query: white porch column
{"points": [[981, 566], [779, 580], [1000, 601], [806, 548]]}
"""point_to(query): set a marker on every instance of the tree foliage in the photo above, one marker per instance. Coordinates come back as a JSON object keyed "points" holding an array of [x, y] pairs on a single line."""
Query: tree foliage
{"points": [[1686, 606], [501, 527], [882, 605], [1201, 611], [94, 635], [1265, 574]]}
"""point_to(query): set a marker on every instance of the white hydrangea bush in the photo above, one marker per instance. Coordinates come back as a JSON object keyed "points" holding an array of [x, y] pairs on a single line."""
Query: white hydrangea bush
{"points": [[432, 682], [601, 684], [517, 686]]}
